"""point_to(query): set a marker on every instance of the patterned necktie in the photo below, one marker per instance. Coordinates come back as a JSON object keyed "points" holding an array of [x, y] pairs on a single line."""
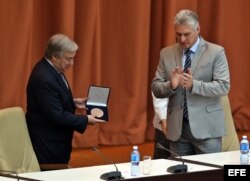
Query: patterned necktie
{"points": [[186, 66]]}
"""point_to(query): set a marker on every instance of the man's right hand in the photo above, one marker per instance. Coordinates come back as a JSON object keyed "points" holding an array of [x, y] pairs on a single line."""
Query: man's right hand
{"points": [[176, 76]]}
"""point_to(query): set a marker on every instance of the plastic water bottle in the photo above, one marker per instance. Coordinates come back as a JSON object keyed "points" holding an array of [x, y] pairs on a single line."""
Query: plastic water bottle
{"points": [[135, 160], [244, 149]]}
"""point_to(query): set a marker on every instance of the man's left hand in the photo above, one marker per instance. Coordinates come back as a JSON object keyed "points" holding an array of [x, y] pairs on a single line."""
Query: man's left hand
{"points": [[187, 80]]}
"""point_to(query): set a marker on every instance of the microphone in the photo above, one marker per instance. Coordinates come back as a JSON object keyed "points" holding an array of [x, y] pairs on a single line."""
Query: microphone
{"points": [[180, 168], [114, 175]]}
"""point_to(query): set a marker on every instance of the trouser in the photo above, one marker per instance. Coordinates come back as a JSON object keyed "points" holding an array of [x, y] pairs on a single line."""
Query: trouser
{"points": [[189, 145], [159, 152]]}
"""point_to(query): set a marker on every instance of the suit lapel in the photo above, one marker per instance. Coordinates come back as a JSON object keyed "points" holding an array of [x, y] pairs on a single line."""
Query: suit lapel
{"points": [[58, 78], [63, 85], [178, 59], [197, 57]]}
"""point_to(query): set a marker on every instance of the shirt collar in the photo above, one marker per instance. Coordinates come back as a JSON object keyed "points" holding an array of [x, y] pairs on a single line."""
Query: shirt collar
{"points": [[194, 47], [51, 64]]}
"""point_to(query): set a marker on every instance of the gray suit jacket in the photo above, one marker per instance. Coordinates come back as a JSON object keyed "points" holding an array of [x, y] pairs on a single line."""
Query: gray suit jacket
{"points": [[211, 80]]}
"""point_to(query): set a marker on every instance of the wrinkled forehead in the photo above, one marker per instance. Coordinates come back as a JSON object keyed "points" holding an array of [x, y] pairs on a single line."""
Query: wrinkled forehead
{"points": [[184, 28]]}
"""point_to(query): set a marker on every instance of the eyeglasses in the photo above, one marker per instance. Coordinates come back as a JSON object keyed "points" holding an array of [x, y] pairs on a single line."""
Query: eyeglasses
{"points": [[65, 58], [69, 59]]}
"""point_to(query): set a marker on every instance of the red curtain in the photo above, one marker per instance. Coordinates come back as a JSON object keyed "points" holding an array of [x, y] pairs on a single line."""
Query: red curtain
{"points": [[119, 44]]}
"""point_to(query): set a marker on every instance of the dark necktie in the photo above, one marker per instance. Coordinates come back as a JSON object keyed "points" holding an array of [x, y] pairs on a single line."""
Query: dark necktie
{"points": [[186, 66], [64, 80]]}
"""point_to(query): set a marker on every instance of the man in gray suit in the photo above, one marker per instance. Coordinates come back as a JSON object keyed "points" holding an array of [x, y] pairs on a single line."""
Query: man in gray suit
{"points": [[195, 114]]}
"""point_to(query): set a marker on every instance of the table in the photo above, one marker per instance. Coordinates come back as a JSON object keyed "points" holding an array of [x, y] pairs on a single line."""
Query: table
{"points": [[93, 173], [221, 158], [195, 163]]}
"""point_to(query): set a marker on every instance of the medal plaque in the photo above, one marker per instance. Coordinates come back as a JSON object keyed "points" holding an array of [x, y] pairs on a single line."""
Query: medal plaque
{"points": [[97, 103]]}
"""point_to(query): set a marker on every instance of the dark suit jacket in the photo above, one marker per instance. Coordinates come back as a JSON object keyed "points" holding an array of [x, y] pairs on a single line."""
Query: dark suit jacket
{"points": [[50, 115]]}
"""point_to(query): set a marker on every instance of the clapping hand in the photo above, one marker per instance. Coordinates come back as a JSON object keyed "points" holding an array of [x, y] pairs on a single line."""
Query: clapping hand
{"points": [[176, 77], [187, 80]]}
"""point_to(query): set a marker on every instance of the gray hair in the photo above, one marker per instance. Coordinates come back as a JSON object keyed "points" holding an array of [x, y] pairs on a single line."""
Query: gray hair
{"points": [[187, 17], [58, 44]]}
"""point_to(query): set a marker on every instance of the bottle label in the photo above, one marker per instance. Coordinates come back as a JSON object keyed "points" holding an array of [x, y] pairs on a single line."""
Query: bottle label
{"points": [[244, 147], [135, 158]]}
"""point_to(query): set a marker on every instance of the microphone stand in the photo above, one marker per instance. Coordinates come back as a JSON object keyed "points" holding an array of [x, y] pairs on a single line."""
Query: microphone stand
{"points": [[179, 168], [113, 175], [14, 175], [9, 174]]}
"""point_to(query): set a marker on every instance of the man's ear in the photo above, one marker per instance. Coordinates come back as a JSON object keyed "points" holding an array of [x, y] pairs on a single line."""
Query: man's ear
{"points": [[198, 29], [53, 58]]}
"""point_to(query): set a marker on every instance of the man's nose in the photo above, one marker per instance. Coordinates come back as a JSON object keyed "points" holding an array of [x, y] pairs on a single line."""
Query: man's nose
{"points": [[183, 38], [71, 62]]}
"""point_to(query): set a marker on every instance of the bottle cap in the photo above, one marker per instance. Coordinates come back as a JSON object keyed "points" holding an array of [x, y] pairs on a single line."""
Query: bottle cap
{"points": [[244, 136], [135, 147]]}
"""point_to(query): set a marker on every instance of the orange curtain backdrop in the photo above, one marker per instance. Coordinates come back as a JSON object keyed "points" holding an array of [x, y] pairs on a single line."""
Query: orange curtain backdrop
{"points": [[119, 44]]}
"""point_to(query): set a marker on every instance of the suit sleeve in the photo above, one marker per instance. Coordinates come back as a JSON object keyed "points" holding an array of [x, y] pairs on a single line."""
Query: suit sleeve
{"points": [[57, 107], [161, 83]]}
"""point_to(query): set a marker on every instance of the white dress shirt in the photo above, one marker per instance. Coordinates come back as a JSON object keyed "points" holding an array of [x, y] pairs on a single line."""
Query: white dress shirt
{"points": [[160, 108]]}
